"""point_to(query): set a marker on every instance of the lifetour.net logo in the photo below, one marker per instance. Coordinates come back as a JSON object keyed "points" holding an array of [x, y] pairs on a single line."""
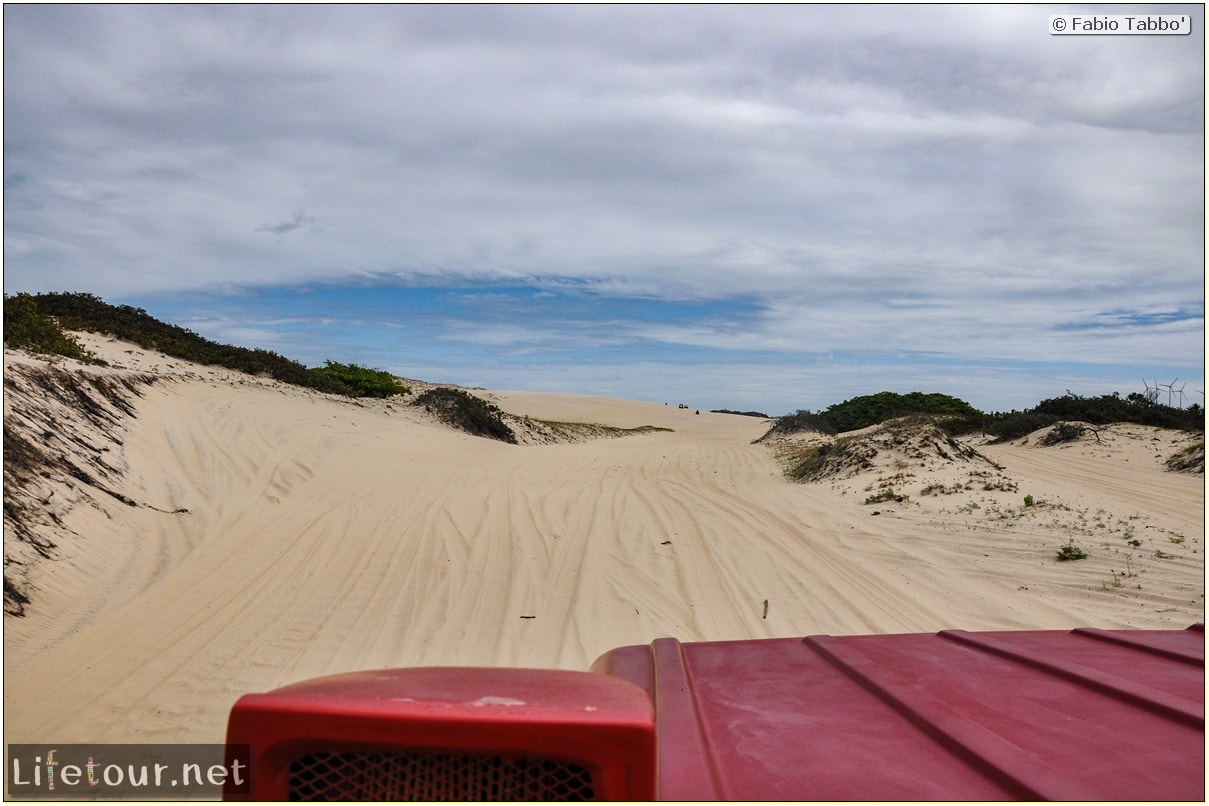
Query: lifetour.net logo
{"points": [[112, 771]]}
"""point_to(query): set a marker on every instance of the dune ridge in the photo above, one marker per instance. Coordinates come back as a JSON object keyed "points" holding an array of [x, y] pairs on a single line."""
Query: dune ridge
{"points": [[278, 534]]}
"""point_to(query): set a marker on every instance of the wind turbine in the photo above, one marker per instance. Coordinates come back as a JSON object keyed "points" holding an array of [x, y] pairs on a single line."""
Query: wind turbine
{"points": [[1169, 387], [1152, 392]]}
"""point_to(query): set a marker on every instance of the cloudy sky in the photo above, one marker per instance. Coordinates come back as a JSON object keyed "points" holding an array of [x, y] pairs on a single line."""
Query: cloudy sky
{"points": [[744, 207]]}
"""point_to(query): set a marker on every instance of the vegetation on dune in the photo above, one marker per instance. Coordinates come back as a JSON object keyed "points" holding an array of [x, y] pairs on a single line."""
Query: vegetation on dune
{"points": [[464, 411], [817, 462], [39, 322], [560, 430], [912, 438], [363, 382], [1067, 432], [81, 311], [1071, 552], [1103, 410], [799, 421], [1188, 460], [757, 414], [27, 327], [24, 465], [957, 417], [862, 412], [867, 410], [58, 428], [926, 426]]}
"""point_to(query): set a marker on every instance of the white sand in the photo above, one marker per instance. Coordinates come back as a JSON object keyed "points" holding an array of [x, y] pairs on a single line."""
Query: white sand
{"points": [[324, 535]]}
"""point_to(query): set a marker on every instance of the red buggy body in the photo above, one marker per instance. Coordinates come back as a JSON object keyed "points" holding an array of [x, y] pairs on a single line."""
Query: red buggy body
{"points": [[1034, 715]]}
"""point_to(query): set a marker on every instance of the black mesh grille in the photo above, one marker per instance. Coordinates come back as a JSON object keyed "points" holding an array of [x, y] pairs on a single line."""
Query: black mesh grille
{"points": [[435, 777]]}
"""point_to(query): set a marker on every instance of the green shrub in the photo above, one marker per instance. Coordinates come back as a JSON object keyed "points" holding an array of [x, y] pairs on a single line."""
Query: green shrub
{"points": [[27, 327], [1102, 410], [801, 420], [1064, 432], [1071, 552], [81, 311], [887, 494], [362, 381], [464, 411], [1028, 501], [757, 414], [867, 410]]}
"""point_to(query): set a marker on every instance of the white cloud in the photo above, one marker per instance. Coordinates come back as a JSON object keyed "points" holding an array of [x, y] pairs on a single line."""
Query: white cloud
{"points": [[945, 180]]}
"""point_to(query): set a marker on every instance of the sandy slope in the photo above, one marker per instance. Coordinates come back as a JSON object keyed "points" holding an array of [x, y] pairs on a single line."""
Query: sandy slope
{"points": [[323, 535]]}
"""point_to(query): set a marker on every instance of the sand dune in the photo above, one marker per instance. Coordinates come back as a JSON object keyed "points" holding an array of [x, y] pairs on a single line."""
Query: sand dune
{"points": [[273, 534]]}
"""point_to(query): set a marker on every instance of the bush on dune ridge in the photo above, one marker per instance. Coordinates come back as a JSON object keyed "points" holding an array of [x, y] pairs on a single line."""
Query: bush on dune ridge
{"points": [[1103, 410], [862, 412], [81, 311], [27, 327], [469, 413], [757, 414], [956, 417], [362, 381], [37, 322]]}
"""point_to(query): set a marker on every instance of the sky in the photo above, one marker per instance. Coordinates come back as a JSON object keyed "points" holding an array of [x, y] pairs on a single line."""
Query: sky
{"points": [[757, 208]]}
